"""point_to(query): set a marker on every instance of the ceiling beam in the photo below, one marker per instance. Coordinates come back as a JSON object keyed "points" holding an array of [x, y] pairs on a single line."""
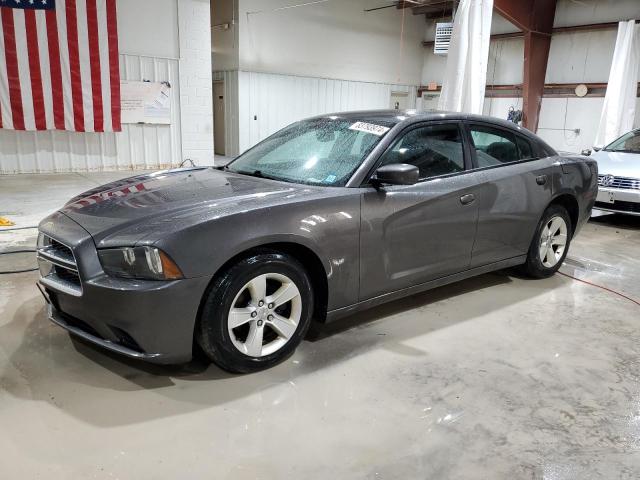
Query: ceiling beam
{"points": [[439, 14], [430, 7]]}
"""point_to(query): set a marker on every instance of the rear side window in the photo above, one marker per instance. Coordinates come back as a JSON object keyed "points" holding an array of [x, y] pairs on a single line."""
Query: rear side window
{"points": [[525, 148], [435, 149], [494, 146]]}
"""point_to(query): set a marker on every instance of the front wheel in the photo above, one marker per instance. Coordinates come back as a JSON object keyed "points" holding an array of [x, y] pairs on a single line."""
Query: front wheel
{"points": [[256, 313], [550, 243]]}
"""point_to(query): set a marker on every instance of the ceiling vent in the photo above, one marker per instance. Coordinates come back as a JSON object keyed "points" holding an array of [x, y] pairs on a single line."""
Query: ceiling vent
{"points": [[443, 38]]}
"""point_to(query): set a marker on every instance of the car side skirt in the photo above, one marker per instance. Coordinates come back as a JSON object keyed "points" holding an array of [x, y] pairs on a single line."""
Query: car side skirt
{"points": [[339, 313]]}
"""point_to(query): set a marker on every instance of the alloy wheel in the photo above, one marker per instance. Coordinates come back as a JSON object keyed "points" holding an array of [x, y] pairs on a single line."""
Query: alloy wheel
{"points": [[553, 241], [264, 314]]}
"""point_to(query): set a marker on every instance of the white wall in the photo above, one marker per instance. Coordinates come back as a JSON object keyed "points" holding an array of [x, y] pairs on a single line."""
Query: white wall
{"points": [[581, 57], [506, 61], [269, 102], [320, 58], [150, 43], [148, 27], [334, 39]]}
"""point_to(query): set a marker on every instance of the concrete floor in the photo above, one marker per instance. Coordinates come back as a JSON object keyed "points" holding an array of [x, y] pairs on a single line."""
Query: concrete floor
{"points": [[494, 377]]}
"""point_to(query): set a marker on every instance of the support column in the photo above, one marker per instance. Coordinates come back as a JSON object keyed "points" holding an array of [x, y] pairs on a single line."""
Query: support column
{"points": [[196, 100], [535, 18], [536, 55]]}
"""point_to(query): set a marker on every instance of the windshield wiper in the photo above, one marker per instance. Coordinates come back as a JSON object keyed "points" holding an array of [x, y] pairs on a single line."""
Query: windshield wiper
{"points": [[257, 173]]}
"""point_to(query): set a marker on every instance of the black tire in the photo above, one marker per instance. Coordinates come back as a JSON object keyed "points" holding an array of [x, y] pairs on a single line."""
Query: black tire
{"points": [[212, 333], [534, 266]]}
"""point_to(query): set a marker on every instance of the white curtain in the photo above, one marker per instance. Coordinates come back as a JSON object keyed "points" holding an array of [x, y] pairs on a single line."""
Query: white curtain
{"points": [[619, 107], [466, 73]]}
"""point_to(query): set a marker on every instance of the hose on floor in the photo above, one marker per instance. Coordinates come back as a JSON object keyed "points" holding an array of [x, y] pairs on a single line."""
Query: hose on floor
{"points": [[601, 287], [16, 228], [11, 272]]}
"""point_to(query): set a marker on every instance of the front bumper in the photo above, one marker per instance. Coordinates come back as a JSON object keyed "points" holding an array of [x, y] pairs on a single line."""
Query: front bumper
{"points": [[72, 327], [618, 200], [148, 320]]}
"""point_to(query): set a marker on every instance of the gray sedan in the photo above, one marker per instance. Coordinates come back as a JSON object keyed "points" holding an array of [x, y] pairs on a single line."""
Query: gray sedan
{"points": [[329, 216]]}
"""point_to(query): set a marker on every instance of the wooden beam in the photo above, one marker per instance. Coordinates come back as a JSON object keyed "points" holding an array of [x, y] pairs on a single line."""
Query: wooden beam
{"points": [[535, 18], [413, 3], [430, 7], [596, 89], [438, 14], [519, 13], [536, 55]]}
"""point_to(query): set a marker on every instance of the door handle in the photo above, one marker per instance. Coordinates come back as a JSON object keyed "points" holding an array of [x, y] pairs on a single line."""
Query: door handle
{"points": [[541, 180], [467, 199]]}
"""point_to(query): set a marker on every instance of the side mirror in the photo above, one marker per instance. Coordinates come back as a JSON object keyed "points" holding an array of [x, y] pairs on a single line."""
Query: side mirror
{"points": [[597, 149], [586, 152], [397, 174]]}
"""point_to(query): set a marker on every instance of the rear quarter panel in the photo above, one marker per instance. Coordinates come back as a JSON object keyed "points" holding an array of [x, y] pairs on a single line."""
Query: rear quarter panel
{"points": [[577, 176]]}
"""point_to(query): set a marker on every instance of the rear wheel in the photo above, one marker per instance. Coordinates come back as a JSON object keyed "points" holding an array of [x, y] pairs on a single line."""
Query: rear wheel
{"points": [[256, 313], [550, 243]]}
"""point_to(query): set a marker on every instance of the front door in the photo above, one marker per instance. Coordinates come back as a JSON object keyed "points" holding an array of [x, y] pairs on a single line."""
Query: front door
{"points": [[417, 233]]}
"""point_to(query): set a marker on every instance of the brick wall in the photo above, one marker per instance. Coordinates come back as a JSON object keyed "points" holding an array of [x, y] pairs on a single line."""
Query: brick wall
{"points": [[195, 80]]}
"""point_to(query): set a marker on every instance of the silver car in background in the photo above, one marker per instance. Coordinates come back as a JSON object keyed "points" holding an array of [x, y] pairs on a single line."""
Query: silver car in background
{"points": [[619, 175]]}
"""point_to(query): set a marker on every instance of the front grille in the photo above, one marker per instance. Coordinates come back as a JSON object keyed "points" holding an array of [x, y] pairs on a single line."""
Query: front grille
{"points": [[626, 183], [67, 275], [61, 249], [632, 207], [58, 267]]}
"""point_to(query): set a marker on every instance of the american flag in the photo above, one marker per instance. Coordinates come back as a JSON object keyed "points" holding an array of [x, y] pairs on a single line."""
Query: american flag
{"points": [[59, 66]]}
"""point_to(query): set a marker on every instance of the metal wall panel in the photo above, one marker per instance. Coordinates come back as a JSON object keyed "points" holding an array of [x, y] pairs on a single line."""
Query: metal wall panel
{"points": [[137, 146], [230, 80], [269, 102]]}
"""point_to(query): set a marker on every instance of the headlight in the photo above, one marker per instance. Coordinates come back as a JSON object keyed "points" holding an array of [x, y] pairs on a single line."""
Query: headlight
{"points": [[145, 263]]}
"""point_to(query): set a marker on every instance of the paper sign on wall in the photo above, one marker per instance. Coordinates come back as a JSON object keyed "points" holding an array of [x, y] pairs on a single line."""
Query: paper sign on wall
{"points": [[146, 102]]}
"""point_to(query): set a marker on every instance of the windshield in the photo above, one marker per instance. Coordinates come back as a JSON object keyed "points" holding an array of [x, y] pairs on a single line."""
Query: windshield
{"points": [[629, 142], [318, 152]]}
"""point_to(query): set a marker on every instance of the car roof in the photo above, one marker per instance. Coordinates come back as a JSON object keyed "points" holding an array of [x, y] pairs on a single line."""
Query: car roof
{"points": [[392, 118]]}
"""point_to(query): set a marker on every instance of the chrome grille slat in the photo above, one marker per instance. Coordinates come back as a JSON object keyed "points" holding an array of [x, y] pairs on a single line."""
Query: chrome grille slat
{"points": [[54, 257], [626, 183], [60, 266]]}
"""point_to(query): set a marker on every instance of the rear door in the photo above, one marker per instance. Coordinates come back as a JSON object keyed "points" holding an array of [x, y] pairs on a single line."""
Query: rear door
{"points": [[515, 188], [417, 233]]}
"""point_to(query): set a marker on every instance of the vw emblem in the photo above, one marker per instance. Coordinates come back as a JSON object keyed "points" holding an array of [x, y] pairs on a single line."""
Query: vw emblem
{"points": [[607, 180]]}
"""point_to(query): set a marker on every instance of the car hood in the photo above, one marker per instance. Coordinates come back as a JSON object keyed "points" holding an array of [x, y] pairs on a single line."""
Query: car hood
{"points": [[620, 164], [133, 206]]}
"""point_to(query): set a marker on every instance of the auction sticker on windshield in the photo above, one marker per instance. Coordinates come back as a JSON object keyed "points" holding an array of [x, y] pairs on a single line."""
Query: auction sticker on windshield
{"points": [[378, 130]]}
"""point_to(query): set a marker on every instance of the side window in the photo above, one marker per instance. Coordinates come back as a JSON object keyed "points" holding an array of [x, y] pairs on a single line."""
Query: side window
{"points": [[494, 146], [525, 148], [435, 149]]}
